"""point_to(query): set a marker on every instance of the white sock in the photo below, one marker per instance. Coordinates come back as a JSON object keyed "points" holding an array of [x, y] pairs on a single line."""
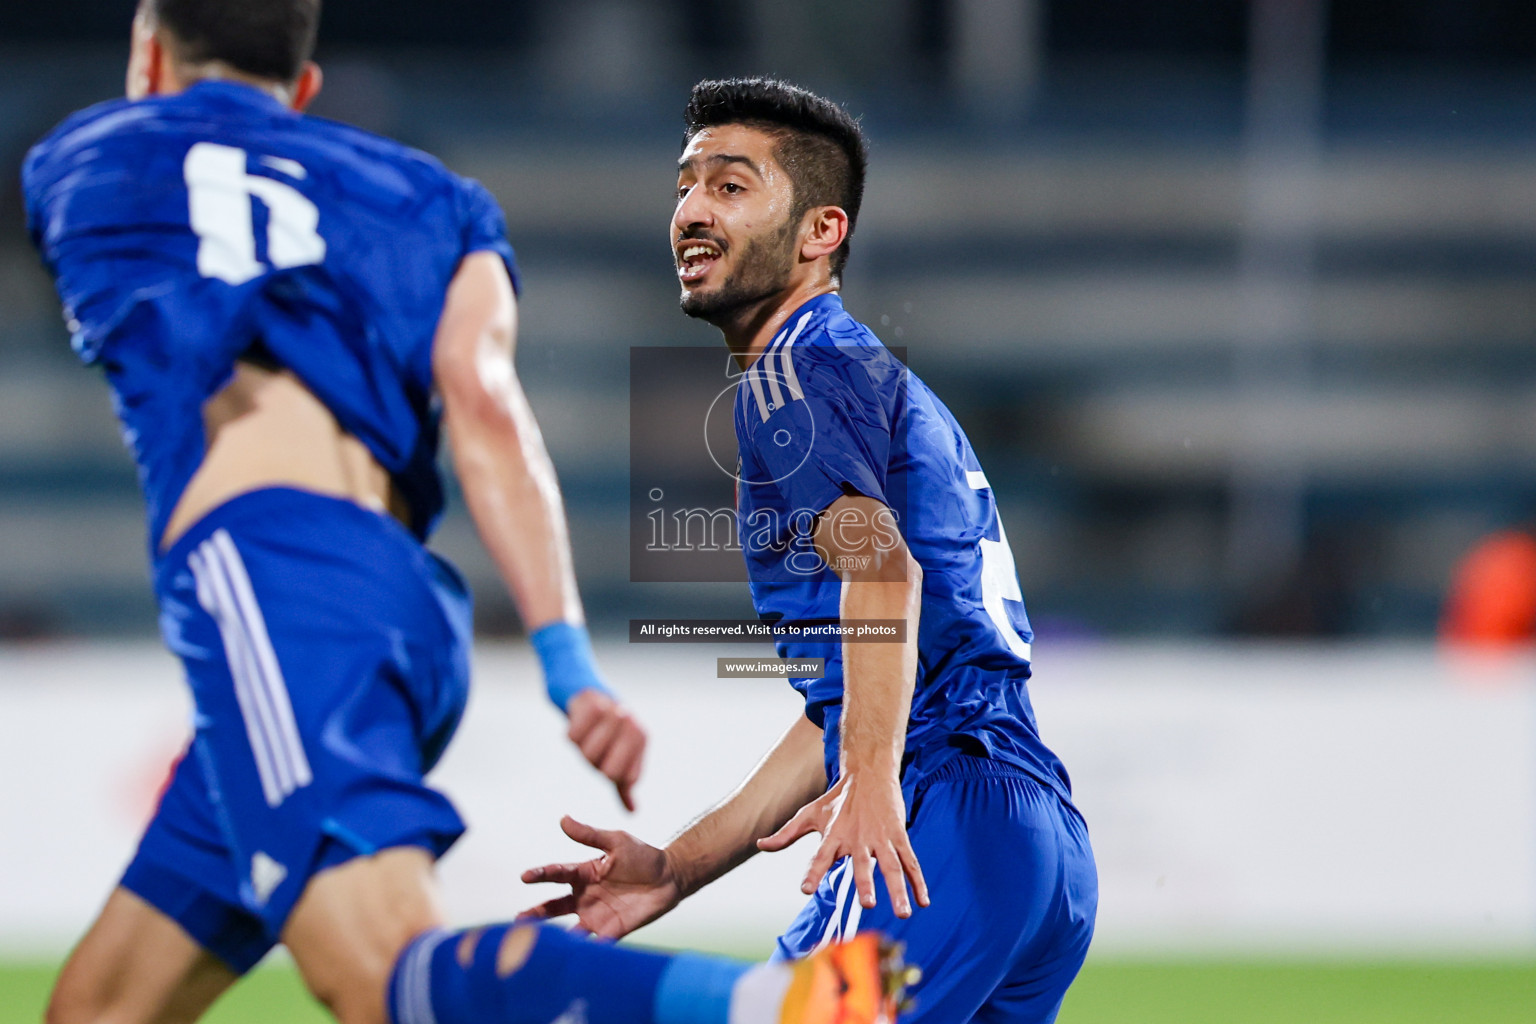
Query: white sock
{"points": [[758, 997]]}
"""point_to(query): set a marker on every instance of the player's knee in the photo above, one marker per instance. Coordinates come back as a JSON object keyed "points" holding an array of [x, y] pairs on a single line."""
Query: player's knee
{"points": [[71, 1004], [355, 995], [360, 1001]]}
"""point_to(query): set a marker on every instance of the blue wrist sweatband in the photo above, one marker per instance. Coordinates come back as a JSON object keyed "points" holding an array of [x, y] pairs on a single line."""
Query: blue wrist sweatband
{"points": [[565, 651]]}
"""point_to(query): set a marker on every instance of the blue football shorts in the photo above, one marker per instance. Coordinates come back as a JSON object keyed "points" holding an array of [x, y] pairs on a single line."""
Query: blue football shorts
{"points": [[1013, 893], [328, 656]]}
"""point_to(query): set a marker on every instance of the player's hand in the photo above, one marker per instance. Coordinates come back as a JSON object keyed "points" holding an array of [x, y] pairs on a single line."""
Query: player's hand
{"points": [[631, 884], [863, 817], [609, 737]]}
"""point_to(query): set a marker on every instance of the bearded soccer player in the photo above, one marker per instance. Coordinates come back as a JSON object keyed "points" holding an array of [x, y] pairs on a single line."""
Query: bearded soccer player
{"points": [[282, 307], [917, 760]]}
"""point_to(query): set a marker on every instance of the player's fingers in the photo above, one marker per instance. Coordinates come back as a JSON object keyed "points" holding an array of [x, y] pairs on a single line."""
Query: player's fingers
{"points": [[621, 764], [632, 776], [613, 760], [610, 927], [594, 744], [801, 824], [557, 873], [636, 766], [895, 876], [585, 873], [864, 878], [557, 907], [621, 761], [913, 870], [582, 713], [586, 835], [826, 855]]}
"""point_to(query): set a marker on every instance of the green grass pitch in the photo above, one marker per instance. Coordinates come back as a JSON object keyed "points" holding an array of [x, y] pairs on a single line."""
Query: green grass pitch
{"points": [[1109, 992]]}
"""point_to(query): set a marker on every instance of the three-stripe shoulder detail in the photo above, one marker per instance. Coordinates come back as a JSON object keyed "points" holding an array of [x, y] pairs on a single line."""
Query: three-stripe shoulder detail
{"points": [[772, 379]]}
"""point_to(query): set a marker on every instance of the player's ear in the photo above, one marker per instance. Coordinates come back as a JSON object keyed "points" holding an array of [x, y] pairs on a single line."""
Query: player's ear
{"points": [[307, 86], [146, 59], [826, 230]]}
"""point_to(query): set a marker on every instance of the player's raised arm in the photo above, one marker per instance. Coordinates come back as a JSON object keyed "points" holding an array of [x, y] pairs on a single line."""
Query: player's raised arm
{"points": [[863, 815], [632, 883], [510, 487]]}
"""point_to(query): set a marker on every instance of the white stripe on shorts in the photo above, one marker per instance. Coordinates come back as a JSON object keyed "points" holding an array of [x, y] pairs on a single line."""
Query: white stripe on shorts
{"points": [[224, 590], [843, 891], [212, 594]]}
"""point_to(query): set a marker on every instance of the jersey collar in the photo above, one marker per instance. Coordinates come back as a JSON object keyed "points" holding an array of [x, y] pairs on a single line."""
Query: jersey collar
{"points": [[824, 302], [827, 302], [237, 92]]}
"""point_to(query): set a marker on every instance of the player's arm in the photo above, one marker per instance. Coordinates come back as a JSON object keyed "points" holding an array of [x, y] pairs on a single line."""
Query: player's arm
{"points": [[863, 815], [633, 883], [510, 487]]}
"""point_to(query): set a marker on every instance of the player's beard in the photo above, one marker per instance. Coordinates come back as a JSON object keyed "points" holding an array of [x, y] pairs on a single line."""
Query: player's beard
{"points": [[762, 271]]}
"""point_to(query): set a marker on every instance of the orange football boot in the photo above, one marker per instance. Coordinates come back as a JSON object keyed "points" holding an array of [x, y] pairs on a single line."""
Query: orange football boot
{"points": [[861, 981]]}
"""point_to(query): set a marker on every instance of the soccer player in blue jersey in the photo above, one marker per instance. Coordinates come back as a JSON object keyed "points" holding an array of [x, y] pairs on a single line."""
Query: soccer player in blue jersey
{"points": [[859, 498], [285, 308]]}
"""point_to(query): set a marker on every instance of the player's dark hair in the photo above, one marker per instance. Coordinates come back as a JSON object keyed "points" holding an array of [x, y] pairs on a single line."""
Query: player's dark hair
{"points": [[819, 144], [266, 38]]}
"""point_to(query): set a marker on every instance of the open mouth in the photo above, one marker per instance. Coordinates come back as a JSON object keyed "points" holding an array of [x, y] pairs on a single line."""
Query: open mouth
{"points": [[694, 258]]}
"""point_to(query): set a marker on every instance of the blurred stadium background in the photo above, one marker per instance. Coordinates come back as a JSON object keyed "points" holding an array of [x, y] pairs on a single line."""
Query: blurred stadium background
{"points": [[1236, 302]]}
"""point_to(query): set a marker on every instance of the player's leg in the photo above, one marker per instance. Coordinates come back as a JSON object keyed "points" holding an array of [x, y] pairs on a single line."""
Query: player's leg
{"points": [[1048, 962], [356, 670], [136, 966], [352, 922], [1033, 995], [173, 935], [366, 938], [357, 926], [1008, 882], [1034, 890], [534, 973]]}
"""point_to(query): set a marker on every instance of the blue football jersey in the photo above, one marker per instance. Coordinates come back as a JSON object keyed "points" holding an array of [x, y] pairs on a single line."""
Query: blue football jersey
{"points": [[185, 232], [828, 411]]}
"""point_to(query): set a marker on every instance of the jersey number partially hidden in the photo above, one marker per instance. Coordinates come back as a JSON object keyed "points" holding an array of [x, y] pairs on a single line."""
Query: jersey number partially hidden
{"points": [[999, 577], [219, 195]]}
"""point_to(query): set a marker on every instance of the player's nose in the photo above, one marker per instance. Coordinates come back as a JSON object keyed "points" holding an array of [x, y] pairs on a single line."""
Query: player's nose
{"points": [[693, 210]]}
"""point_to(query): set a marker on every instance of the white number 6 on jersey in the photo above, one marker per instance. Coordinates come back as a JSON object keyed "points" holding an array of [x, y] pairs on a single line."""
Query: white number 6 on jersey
{"points": [[219, 194], [999, 577]]}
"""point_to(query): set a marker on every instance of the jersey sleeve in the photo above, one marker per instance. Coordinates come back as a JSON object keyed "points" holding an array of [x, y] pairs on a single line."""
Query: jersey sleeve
{"points": [[485, 227], [36, 184], [826, 433]]}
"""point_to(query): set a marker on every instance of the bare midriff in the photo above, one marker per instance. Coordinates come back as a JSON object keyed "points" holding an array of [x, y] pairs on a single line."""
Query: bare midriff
{"points": [[266, 429]]}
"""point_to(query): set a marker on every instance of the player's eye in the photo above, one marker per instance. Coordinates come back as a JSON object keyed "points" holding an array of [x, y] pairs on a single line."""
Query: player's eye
{"points": [[730, 188]]}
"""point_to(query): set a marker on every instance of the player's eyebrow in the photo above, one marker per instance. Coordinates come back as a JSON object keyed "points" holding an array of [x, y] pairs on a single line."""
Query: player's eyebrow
{"points": [[684, 163]]}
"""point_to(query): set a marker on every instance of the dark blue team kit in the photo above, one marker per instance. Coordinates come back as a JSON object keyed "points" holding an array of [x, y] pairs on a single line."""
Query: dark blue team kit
{"points": [[327, 649]]}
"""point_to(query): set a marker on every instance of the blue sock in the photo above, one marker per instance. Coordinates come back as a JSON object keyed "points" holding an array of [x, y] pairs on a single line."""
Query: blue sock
{"points": [[564, 977]]}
